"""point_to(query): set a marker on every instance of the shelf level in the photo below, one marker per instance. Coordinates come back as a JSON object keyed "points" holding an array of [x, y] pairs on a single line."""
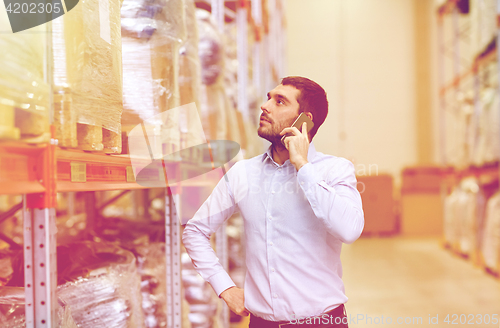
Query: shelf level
{"points": [[23, 170]]}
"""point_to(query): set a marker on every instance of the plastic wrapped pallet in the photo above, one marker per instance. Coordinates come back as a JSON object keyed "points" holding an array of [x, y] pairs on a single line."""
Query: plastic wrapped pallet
{"points": [[24, 94], [483, 23], [470, 216], [239, 129], [100, 283], [235, 133], [97, 281], [213, 99], [87, 53], [152, 269], [152, 33], [450, 218], [490, 247], [203, 302], [460, 131], [190, 78], [464, 217], [137, 238], [12, 310], [487, 148], [231, 62], [143, 240]]}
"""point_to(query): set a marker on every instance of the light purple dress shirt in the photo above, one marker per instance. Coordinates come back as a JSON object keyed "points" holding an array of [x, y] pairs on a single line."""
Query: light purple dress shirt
{"points": [[295, 224]]}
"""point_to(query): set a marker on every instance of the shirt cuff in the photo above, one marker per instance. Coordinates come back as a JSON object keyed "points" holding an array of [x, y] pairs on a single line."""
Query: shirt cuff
{"points": [[220, 282], [307, 177]]}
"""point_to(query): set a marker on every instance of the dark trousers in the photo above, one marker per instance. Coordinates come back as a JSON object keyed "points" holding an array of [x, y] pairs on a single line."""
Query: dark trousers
{"points": [[336, 318]]}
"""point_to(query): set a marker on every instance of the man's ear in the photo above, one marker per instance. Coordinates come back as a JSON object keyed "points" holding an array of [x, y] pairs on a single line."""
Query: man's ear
{"points": [[309, 114]]}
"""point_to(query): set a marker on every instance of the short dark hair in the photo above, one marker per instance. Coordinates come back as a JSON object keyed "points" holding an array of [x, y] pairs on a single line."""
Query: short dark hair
{"points": [[312, 98]]}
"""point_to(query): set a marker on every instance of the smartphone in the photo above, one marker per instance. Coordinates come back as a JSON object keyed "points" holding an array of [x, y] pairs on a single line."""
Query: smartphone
{"points": [[298, 124]]}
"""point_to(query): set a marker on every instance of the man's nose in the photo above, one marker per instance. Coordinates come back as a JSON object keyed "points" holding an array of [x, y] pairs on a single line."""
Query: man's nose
{"points": [[264, 107]]}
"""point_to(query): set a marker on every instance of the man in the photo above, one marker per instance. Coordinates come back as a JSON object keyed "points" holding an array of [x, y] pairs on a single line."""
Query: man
{"points": [[298, 207]]}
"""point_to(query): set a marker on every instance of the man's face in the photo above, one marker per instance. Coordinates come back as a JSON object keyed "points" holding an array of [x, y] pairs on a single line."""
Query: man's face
{"points": [[278, 112]]}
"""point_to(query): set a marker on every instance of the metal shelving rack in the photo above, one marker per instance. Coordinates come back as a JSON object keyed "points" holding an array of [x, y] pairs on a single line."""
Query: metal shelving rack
{"points": [[39, 171], [460, 79]]}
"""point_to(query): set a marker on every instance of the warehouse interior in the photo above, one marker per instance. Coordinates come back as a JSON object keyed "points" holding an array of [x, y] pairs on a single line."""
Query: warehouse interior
{"points": [[118, 119]]}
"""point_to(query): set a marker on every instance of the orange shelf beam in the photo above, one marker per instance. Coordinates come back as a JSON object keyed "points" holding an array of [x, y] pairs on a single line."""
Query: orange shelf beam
{"points": [[26, 169], [479, 62], [19, 168]]}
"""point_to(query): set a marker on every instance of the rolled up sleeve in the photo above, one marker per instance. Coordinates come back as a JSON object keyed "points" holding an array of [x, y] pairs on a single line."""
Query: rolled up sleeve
{"points": [[336, 201]]}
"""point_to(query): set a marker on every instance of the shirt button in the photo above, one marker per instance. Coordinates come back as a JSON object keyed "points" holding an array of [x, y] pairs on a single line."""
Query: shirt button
{"points": [[273, 192], [272, 270], [270, 218], [271, 244], [275, 296], [302, 183], [314, 206]]}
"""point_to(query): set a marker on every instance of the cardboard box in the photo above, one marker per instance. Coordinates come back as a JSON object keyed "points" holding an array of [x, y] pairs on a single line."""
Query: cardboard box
{"points": [[378, 204]]}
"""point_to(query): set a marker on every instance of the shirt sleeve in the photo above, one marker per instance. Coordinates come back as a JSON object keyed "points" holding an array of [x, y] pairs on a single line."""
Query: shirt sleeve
{"points": [[219, 206], [334, 199]]}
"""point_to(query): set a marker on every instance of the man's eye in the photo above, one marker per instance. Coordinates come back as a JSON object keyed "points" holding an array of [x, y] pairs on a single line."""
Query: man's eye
{"points": [[281, 102]]}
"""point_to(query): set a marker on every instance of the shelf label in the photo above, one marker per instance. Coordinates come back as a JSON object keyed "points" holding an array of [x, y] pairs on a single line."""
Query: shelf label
{"points": [[78, 172], [130, 174]]}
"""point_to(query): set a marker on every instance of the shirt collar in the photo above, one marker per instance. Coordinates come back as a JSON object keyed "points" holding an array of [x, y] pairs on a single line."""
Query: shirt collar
{"points": [[311, 153]]}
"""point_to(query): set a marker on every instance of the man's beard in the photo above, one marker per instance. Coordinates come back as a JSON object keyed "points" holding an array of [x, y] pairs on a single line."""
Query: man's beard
{"points": [[272, 133]]}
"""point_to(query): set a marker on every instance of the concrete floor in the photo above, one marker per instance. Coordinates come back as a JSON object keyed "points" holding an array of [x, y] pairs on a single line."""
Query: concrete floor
{"points": [[414, 281], [412, 278]]}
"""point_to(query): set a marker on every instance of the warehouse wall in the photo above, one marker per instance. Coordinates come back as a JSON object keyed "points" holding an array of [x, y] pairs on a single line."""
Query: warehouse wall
{"points": [[364, 53]]}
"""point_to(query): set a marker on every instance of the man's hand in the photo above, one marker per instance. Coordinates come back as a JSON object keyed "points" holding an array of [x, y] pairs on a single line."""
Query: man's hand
{"points": [[297, 145], [235, 300]]}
